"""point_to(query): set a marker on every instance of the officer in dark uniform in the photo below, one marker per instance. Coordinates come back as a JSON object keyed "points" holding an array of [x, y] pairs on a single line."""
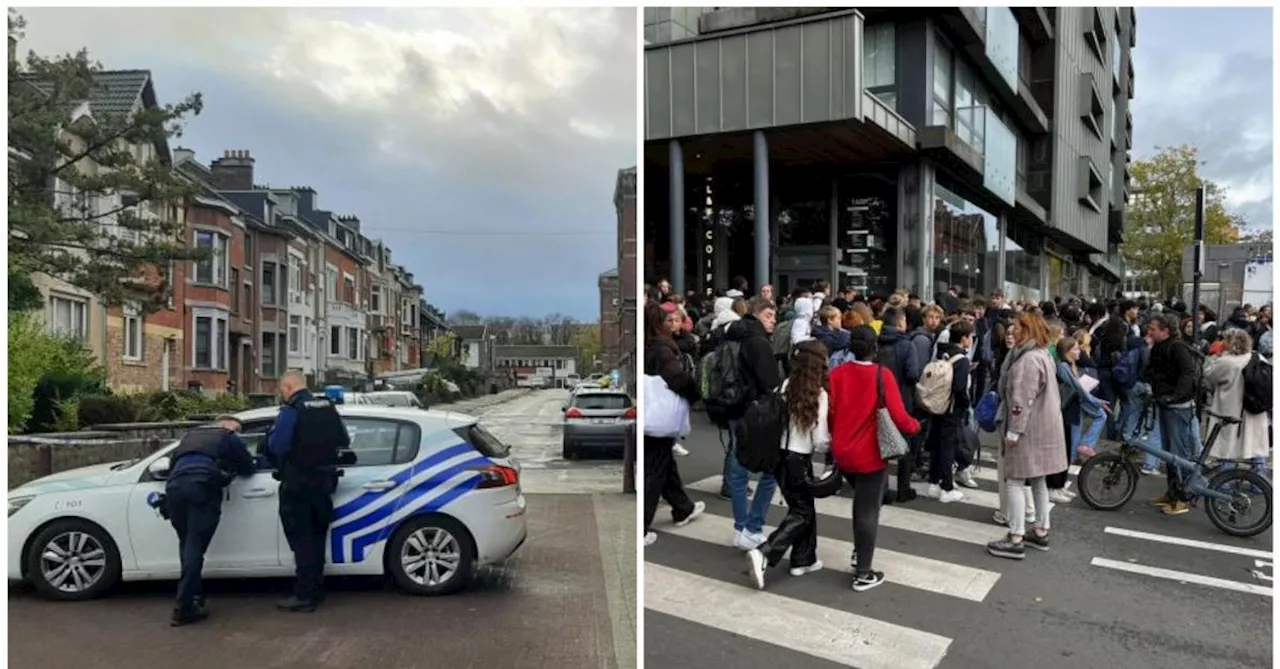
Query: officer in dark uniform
{"points": [[205, 461], [303, 446]]}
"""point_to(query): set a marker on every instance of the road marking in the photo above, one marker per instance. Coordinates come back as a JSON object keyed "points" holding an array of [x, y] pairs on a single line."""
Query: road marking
{"points": [[1182, 576], [818, 631], [1257, 573], [988, 472], [897, 517], [912, 571], [1192, 543]]}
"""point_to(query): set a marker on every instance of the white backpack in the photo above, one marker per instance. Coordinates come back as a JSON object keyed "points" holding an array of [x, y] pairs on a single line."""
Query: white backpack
{"points": [[933, 391]]}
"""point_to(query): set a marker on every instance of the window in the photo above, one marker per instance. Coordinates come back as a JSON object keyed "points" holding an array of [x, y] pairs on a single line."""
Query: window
{"points": [[1092, 113], [268, 360], [349, 289], [335, 340], [879, 67], [210, 345], [375, 300], [295, 276], [68, 317], [248, 298], [235, 291], [331, 284], [380, 442], [132, 333], [1090, 184], [970, 107], [353, 344], [213, 269], [295, 333], [942, 65], [268, 283], [484, 441], [1095, 36], [602, 401]]}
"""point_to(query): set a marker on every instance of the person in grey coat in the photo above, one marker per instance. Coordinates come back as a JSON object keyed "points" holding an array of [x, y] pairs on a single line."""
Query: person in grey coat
{"points": [[1034, 442]]}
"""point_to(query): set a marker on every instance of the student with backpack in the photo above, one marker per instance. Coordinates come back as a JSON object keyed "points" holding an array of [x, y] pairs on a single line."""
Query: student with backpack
{"points": [[833, 336], [943, 394], [1174, 374], [858, 391], [741, 371], [896, 353], [805, 433], [1239, 381]]}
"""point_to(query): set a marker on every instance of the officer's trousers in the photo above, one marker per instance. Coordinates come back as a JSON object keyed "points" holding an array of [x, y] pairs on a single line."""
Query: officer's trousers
{"points": [[305, 514], [195, 507]]}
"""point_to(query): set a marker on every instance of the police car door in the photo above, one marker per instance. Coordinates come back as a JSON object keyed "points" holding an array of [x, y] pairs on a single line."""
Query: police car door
{"points": [[246, 537]]}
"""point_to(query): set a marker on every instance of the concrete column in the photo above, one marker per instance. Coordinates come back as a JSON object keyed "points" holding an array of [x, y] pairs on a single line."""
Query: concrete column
{"points": [[926, 231], [676, 202], [762, 218], [1002, 229]]}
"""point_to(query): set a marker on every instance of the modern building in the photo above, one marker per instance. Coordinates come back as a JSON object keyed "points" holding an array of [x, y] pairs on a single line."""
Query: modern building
{"points": [[883, 148], [553, 365]]}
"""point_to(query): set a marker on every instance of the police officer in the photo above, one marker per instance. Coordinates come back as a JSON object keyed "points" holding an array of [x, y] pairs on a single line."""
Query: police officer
{"points": [[303, 446], [205, 461]]}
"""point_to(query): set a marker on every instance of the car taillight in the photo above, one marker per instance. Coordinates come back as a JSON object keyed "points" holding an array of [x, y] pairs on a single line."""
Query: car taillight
{"points": [[573, 412], [498, 476], [630, 414]]}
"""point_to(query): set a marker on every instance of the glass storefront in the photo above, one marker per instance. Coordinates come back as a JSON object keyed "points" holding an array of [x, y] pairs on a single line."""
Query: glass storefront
{"points": [[965, 245], [866, 234], [1021, 271]]}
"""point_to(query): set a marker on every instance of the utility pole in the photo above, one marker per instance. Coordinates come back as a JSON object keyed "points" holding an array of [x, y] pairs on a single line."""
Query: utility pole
{"points": [[1198, 270]]}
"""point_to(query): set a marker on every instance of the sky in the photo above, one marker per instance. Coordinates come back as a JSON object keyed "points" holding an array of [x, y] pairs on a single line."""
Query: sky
{"points": [[1203, 77], [418, 121]]}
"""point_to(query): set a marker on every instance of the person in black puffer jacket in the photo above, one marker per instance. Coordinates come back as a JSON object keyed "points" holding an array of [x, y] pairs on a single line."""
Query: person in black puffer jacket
{"points": [[662, 357]]}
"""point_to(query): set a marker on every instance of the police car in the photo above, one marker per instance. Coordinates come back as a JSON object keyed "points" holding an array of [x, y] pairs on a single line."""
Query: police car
{"points": [[425, 497]]}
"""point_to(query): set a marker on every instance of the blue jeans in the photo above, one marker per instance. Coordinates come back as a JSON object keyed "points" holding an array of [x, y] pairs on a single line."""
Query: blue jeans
{"points": [[748, 515], [1180, 434]]}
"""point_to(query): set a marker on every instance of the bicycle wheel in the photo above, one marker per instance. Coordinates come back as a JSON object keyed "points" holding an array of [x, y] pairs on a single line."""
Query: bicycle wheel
{"points": [[1107, 481], [1247, 513]]}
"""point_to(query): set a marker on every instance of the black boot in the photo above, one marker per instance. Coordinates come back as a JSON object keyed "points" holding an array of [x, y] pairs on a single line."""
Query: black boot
{"points": [[185, 615], [297, 605]]}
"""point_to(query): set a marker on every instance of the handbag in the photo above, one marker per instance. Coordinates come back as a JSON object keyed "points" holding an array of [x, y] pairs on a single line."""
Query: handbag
{"points": [[892, 444], [666, 414]]}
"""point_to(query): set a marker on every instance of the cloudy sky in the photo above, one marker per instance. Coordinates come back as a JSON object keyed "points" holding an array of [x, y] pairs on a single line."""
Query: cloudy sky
{"points": [[1204, 77], [419, 121]]}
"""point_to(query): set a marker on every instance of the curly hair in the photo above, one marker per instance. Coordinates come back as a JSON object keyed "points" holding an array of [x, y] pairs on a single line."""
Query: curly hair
{"points": [[807, 381]]}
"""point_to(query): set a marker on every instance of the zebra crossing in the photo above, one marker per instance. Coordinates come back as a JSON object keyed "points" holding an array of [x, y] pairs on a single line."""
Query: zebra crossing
{"points": [[932, 555]]}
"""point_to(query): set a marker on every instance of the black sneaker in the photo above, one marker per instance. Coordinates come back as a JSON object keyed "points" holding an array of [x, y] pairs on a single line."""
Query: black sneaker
{"points": [[866, 580], [906, 495], [187, 615], [1007, 548], [1040, 542]]}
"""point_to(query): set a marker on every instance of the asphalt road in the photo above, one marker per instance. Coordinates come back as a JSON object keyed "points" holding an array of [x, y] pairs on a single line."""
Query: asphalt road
{"points": [[948, 604], [554, 603]]}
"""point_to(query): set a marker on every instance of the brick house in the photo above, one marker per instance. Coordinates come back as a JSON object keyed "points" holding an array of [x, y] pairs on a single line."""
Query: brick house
{"points": [[624, 202], [610, 312]]}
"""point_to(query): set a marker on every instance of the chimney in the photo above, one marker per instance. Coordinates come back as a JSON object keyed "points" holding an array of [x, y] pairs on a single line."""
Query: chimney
{"points": [[181, 154], [233, 171]]}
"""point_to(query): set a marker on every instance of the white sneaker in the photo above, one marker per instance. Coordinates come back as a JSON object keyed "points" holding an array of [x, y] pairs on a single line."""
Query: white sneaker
{"points": [[698, 508], [650, 538], [679, 450], [934, 490], [755, 567], [1030, 516], [949, 496], [745, 541], [801, 571], [1060, 497], [965, 478]]}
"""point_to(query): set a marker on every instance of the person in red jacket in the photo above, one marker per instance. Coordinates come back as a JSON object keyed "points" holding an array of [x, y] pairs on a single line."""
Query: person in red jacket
{"points": [[856, 449]]}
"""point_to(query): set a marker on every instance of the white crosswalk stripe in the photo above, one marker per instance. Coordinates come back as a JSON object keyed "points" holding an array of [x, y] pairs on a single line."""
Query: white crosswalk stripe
{"points": [[859, 634]]}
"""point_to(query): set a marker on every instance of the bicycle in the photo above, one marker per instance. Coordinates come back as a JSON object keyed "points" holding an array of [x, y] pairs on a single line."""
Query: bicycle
{"points": [[1228, 493]]}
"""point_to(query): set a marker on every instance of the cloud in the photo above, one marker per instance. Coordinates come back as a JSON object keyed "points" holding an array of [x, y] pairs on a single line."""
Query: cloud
{"points": [[1213, 92], [413, 119]]}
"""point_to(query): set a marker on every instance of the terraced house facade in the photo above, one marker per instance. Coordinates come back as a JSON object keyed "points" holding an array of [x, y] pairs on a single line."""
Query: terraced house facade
{"points": [[285, 285]]}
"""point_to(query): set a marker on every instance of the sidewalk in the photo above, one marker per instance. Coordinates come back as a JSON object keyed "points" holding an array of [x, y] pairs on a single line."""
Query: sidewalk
{"points": [[616, 525]]}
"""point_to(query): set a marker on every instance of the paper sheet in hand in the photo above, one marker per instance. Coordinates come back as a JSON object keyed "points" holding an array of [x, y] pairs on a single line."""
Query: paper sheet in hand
{"points": [[1088, 383]]}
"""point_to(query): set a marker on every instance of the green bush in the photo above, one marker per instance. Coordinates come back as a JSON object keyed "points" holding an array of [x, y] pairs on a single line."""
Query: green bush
{"points": [[44, 371], [107, 410]]}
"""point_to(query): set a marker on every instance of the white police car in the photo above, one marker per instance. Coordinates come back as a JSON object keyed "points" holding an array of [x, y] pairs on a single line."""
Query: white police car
{"points": [[425, 496]]}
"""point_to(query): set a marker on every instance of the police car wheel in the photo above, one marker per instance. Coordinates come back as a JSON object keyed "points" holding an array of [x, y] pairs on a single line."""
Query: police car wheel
{"points": [[432, 555], [72, 560]]}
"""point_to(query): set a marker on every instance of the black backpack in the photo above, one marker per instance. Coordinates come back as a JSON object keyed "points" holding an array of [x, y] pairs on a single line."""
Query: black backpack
{"points": [[887, 356], [1258, 391], [724, 382], [760, 433]]}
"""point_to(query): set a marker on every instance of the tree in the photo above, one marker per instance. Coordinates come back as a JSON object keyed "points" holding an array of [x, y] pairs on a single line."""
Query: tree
{"points": [[441, 348], [1256, 236], [587, 339], [1160, 219], [464, 317], [83, 207]]}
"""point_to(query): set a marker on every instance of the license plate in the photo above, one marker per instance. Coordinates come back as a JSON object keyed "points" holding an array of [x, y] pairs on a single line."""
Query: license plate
{"points": [[601, 421]]}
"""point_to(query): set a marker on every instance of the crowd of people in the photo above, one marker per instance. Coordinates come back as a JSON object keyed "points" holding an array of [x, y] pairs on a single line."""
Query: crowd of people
{"points": [[1058, 377]]}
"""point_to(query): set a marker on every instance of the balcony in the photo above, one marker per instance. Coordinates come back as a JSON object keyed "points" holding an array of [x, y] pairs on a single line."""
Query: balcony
{"points": [[1035, 24], [990, 38], [982, 151]]}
